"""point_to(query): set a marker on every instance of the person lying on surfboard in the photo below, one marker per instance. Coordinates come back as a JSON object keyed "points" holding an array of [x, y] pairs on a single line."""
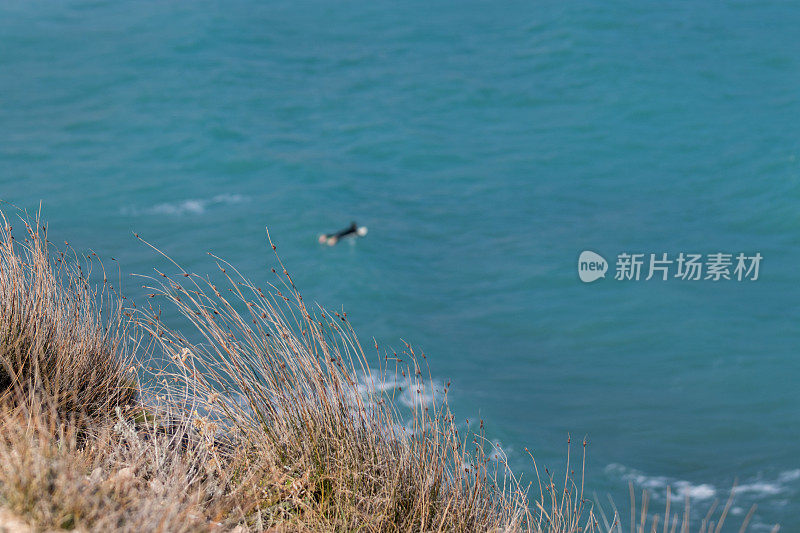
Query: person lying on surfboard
{"points": [[351, 231]]}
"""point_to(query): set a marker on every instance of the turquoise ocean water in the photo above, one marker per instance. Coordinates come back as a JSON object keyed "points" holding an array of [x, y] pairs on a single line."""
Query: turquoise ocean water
{"points": [[485, 145]]}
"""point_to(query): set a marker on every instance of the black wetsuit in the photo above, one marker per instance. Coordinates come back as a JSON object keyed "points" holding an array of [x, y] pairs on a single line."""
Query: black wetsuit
{"points": [[345, 232]]}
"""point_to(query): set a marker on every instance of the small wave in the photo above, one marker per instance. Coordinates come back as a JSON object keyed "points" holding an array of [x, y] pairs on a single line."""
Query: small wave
{"points": [[185, 207], [498, 452], [409, 392], [782, 485], [657, 485]]}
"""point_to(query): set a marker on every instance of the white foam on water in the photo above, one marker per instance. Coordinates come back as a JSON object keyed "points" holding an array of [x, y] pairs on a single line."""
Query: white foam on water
{"points": [[657, 485], [784, 484], [499, 452], [192, 206], [408, 392], [761, 487]]}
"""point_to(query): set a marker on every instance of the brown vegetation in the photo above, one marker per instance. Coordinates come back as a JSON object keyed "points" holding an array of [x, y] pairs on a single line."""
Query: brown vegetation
{"points": [[271, 419]]}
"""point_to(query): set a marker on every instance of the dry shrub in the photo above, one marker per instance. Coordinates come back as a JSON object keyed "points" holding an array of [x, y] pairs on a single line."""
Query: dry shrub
{"points": [[123, 478], [60, 338]]}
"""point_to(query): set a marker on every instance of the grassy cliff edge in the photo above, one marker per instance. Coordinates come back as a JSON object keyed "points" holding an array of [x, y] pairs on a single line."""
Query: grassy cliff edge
{"points": [[272, 418]]}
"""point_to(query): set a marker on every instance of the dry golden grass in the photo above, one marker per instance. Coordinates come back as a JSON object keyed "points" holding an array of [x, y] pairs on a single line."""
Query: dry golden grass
{"points": [[311, 412], [54, 338], [270, 419]]}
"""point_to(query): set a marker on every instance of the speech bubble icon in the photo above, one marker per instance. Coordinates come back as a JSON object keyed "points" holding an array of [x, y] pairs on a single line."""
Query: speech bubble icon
{"points": [[591, 266]]}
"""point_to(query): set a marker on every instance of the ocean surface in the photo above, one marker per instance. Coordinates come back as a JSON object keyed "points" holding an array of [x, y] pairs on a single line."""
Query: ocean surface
{"points": [[485, 145]]}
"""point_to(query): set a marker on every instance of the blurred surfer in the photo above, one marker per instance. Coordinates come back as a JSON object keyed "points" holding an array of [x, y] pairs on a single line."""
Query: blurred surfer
{"points": [[353, 230]]}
